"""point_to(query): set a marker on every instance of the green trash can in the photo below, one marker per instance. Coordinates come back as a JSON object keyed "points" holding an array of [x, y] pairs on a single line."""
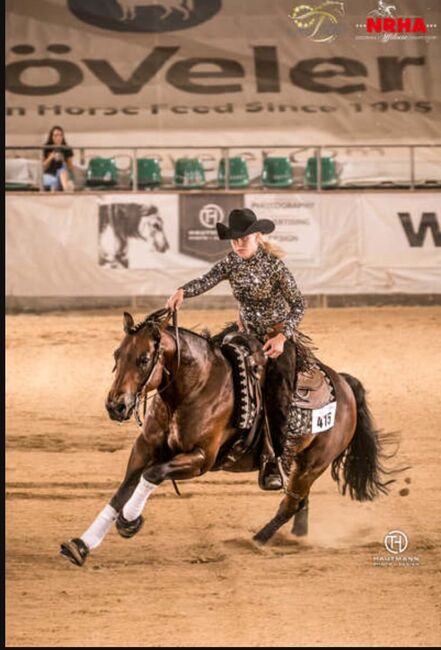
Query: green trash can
{"points": [[238, 173], [329, 174], [189, 174], [149, 172], [277, 172], [101, 172]]}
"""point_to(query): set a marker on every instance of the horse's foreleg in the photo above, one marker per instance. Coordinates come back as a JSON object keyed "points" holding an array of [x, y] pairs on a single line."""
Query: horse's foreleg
{"points": [[181, 466], [139, 457]]}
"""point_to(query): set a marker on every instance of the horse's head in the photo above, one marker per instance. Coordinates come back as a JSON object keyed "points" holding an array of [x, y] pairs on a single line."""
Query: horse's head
{"points": [[151, 229], [138, 366]]}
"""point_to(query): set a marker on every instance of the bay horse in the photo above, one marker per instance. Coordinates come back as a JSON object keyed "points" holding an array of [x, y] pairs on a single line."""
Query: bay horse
{"points": [[189, 422]]}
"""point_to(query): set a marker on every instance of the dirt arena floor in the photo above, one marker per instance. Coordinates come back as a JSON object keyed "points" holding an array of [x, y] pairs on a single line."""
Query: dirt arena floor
{"points": [[193, 577]]}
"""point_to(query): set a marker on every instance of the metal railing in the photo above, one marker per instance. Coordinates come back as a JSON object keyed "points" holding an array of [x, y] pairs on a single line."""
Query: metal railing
{"points": [[298, 156]]}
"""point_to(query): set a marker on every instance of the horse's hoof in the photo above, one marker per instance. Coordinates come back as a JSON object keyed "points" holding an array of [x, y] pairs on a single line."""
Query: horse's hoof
{"points": [[75, 550], [300, 529], [263, 536], [128, 528]]}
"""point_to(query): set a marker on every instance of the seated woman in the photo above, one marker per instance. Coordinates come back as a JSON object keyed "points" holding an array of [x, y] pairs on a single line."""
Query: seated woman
{"points": [[57, 162]]}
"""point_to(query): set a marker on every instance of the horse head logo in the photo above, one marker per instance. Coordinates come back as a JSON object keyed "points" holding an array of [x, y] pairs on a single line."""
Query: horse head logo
{"points": [[384, 10], [151, 229], [144, 15], [320, 23]]}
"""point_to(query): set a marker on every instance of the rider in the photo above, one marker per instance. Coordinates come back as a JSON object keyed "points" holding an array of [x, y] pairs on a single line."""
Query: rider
{"points": [[271, 307]]}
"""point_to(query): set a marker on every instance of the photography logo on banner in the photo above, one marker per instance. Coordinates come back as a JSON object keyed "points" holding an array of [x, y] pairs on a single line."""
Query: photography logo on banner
{"points": [[198, 215], [297, 219]]}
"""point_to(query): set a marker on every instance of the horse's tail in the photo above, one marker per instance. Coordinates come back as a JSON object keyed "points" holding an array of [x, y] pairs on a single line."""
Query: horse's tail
{"points": [[361, 462]]}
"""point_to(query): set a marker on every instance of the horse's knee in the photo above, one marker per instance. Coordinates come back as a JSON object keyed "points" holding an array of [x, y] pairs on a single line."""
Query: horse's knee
{"points": [[154, 474], [289, 506]]}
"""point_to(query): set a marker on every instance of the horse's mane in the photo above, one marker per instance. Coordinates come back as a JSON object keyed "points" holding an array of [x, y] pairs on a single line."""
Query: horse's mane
{"points": [[304, 345], [156, 318]]}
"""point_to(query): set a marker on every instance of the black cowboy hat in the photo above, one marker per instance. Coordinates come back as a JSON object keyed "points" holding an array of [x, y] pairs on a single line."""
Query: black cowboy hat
{"points": [[243, 222]]}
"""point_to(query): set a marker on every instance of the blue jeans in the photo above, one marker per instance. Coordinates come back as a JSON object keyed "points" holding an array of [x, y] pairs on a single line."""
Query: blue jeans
{"points": [[51, 182]]}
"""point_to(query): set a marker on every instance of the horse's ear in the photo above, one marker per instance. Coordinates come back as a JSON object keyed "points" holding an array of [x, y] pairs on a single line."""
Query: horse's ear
{"points": [[128, 322], [163, 324], [156, 332]]}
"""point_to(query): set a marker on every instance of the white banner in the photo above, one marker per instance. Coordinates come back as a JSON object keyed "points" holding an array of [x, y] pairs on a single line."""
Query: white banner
{"points": [[401, 231], [67, 245], [250, 68], [297, 220]]}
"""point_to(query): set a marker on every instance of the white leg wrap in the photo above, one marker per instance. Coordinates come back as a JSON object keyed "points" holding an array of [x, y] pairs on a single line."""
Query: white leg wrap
{"points": [[95, 534], [135, 505]]}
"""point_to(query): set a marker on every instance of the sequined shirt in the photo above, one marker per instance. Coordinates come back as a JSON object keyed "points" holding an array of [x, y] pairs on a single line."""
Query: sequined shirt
{"points": [[264, 287]]}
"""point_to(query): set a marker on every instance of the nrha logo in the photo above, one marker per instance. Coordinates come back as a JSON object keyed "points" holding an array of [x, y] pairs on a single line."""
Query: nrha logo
{"points": [[383, 24]]}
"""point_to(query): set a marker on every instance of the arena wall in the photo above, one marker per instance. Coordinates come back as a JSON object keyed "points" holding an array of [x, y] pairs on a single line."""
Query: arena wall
{"points": [[135, 248]]}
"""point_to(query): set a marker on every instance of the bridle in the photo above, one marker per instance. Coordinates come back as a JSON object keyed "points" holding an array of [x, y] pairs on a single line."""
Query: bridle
{"points": [[142, 394]]}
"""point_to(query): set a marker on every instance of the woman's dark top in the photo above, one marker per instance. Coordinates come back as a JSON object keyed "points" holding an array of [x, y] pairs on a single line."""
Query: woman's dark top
{"points": [[55, 165], [264, 287]]}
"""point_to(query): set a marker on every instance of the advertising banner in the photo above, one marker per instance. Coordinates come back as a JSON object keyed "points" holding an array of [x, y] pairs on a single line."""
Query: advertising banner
{"points": [[402, 231], [320, 72], [199, 214], [131, 244], [297, 219]]}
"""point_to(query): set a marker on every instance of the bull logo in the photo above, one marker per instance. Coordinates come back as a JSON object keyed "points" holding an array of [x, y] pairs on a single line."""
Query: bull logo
{"points": [[144, 15]]}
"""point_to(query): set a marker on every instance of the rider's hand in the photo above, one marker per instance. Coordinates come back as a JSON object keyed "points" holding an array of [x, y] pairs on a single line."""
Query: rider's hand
{"points": [[273, 348], [175, 301]]}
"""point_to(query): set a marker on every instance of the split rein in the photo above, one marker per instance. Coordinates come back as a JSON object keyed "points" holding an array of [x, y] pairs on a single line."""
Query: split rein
{"points": [[141, 395]]}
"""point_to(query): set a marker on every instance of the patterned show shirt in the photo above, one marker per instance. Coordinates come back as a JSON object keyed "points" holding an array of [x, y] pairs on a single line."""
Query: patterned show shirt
{"points": [[264, 287]]}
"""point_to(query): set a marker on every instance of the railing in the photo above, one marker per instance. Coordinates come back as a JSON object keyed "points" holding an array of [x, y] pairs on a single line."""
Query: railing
{"points": [[301, 167]]}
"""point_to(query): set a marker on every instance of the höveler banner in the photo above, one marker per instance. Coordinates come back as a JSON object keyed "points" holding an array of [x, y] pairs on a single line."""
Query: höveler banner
{"points": [[318, 71]]}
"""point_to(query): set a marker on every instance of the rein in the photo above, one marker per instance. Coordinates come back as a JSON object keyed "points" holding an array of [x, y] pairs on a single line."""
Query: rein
{"points": [[139, 395]]}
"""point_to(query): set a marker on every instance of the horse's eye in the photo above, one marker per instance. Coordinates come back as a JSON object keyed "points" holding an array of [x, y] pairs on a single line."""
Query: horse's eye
{"points": [[143, 359]]}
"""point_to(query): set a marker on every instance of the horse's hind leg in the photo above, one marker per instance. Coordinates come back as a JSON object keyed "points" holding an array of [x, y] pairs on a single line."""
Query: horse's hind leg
{"points": [[300, 521], [303, 474]]}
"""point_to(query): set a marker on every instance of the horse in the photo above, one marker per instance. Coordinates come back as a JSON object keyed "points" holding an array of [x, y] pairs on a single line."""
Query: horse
{"points": [[129, 8], [189, 423], [129, 228], [384, 10]]}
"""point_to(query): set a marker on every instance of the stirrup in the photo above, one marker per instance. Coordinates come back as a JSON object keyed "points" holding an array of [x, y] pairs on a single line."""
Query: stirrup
{"points": [[269, 476]]}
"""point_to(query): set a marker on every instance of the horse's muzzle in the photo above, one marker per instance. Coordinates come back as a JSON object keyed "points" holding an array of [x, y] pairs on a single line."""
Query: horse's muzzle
{"points": [[119, 410]]}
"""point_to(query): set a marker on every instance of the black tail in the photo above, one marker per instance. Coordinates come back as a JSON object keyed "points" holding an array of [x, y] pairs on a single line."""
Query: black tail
{"points": [[361, 462]]}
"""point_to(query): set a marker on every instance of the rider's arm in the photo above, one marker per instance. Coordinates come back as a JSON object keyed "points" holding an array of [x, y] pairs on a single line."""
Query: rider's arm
{"points": [[219, 272], [293, 297]]}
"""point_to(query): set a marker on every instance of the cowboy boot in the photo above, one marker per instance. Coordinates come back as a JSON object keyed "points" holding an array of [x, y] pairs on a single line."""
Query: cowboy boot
{"points": [[269, 476], [279, 392]]}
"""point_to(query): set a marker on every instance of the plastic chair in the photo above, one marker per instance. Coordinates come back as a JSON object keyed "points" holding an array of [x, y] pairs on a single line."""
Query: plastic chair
{"points": [[101, 172], [277, 172], [189, 173], [238, 173], [149, 172], [328, 169]]}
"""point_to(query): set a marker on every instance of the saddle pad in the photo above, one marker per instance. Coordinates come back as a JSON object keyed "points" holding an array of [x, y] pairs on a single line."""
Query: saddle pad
{"points": [[244, 396], [307, 421]]}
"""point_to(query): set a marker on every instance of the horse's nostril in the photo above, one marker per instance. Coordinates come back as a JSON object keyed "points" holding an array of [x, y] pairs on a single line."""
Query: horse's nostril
{"points": [[120, 407]]}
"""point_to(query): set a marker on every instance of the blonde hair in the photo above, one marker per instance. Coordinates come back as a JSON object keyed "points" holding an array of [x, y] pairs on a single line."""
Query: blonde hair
{"points": [[270, 247]]}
